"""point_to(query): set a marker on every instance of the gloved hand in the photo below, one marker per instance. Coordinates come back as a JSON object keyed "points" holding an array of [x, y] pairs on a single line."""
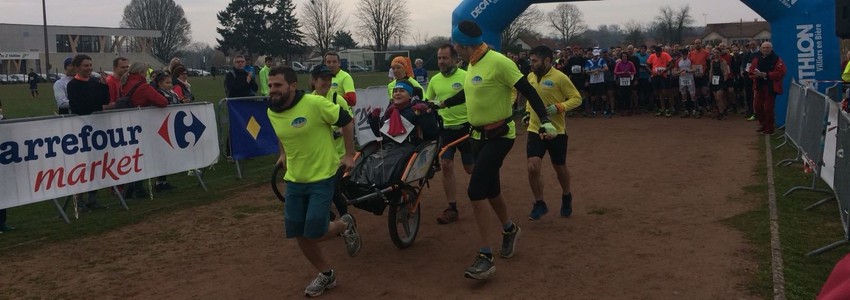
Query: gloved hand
{"points": [[547, 131], [420, 108], [376, 113], [552, 109]]}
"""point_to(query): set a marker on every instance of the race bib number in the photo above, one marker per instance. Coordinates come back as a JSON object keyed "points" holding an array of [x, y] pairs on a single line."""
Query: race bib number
{"points": [[685, 81], [625, 81], [748, 67], [715, 80], [576, 69], [597, 78], [659, 70]]}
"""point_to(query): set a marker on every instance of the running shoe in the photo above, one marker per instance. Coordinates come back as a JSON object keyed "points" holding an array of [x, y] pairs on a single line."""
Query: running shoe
{"points": [[538, 210], [659, 113], [320, 284], [751, 118], [667, 113], [448, 216], [566, 205], [482, 268], [350, 235], [509, 241]]}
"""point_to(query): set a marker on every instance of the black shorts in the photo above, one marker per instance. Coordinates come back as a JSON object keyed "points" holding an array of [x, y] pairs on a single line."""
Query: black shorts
{"points": [[720, 87], [489, 156], [701, 82], [578, 82], [673, 82], [557, 148], [598, 89], [660, 83], [447, 136]]}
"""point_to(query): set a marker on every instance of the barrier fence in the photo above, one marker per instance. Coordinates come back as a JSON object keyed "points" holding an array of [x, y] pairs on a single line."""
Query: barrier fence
{"points": [[820, 132], [46, 158]]}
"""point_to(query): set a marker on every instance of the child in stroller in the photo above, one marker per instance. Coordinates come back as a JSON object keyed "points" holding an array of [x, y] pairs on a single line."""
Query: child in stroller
{"points": [[406, 123]]}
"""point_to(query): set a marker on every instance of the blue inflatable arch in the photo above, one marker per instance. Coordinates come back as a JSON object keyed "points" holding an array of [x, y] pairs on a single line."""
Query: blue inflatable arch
{"points": [[803, 34]]}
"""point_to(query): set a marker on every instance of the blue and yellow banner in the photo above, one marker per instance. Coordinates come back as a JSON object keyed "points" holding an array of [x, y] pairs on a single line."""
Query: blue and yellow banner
{"points": [[251, 133]]}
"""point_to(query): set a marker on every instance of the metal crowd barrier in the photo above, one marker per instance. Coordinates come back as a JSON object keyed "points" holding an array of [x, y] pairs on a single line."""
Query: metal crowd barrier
{"points": [[810, 120], [793, 130]]}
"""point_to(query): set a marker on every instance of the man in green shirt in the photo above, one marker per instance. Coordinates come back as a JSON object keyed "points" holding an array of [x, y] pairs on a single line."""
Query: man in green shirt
{"points": [[263, 78], [302, 124], [488, 87], [342, 83], [442, 86]]}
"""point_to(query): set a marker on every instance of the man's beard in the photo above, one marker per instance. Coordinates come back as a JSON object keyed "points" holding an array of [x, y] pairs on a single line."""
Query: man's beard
{"points": [[277, 101]]}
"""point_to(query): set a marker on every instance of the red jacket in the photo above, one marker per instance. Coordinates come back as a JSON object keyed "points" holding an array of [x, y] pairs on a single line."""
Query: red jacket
{"points": [[776, 75], [145, 95]]}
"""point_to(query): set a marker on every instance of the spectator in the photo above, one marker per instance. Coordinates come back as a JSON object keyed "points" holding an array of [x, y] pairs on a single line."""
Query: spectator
{"points": [[595, 69], [767, 72], [1, 112], [3, 226], [610, 85], [213, 71], [144, 95], [85, 96], [263, 78], [60, 88], [173, 64], [32, 79], [420, 73], [238, 82], [750, 53], [120, 65], [162, 82], [181, 86]]}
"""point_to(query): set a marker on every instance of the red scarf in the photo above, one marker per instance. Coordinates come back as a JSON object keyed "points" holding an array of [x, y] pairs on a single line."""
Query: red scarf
{"points": [[396, 125]]}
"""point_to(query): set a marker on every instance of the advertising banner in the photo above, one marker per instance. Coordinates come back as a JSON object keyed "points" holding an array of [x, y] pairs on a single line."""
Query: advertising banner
{"points": [[251, 132], [803, 35], [44, 159]]}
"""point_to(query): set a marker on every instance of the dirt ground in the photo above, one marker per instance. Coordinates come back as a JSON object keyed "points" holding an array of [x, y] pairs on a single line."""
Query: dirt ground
{"points": [[650, 195]]}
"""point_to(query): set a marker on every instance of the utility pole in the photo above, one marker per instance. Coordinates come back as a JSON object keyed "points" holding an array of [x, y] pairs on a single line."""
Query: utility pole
{"points": [[46, 43]]}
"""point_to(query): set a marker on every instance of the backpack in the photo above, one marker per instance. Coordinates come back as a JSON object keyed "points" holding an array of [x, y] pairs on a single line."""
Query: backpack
{"points": [[124, 101]]}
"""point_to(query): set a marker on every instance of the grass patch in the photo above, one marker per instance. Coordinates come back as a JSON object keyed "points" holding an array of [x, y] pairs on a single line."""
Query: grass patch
{"points": [[800, 231]]}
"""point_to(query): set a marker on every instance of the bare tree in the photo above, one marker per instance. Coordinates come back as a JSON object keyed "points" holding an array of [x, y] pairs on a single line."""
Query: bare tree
{"points": [[381, 20], [165, 16], [525, 24], [567, 21], [322, 19], [634, 33], [670, 24]]}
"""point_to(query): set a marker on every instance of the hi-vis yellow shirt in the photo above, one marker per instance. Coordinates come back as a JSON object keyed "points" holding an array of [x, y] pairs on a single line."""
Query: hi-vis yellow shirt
{"points": [[342, 83], [488, 88], [442, 87], [307, 137], [339, 143], [554, 88]]}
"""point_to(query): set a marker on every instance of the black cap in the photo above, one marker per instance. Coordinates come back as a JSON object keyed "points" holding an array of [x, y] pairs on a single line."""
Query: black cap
{"points": [[321, 69]]}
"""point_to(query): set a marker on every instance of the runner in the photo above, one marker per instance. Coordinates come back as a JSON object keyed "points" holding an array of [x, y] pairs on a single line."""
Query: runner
{"points": [[718, 72], [489, 80], [447, 83], [322, 77], [343, 84], [595, 69], [659, 64], [560, 96], [687, 86], [402, 71], [303, 127], [625, 71], [699, 62]]}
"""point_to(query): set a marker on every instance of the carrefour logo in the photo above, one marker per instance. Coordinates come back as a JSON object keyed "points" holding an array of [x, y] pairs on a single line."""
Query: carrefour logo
{"points": [[477, 80], [176, 130]]}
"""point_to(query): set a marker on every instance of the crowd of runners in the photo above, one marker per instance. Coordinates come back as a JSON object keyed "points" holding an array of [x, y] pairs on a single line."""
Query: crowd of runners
{"points": [[695, 80]]}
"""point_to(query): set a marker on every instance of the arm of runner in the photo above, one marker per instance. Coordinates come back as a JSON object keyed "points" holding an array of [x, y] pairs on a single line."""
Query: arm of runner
{"points": [[350, 98], [523, 87], [573, 97], [457, 99]]}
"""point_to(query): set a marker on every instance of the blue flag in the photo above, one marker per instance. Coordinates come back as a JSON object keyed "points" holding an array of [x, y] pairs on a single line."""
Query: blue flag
{"points": [[251, 132]]}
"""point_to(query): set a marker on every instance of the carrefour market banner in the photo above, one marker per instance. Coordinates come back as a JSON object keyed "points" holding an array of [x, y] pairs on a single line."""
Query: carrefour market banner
{"points": [[52, 158]]}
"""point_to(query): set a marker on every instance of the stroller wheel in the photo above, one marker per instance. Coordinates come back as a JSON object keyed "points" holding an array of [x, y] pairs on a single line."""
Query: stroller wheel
{"points": [[403, 218]]}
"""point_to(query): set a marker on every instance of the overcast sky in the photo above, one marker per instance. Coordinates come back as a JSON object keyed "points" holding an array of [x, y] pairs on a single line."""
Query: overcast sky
{"points": [[430, 17]]}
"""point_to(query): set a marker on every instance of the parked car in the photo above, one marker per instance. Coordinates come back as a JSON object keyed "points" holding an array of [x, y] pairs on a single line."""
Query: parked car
{"points": [[197, 72], [358, 68], [4, 79], [18, 78], [299, 67]]}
